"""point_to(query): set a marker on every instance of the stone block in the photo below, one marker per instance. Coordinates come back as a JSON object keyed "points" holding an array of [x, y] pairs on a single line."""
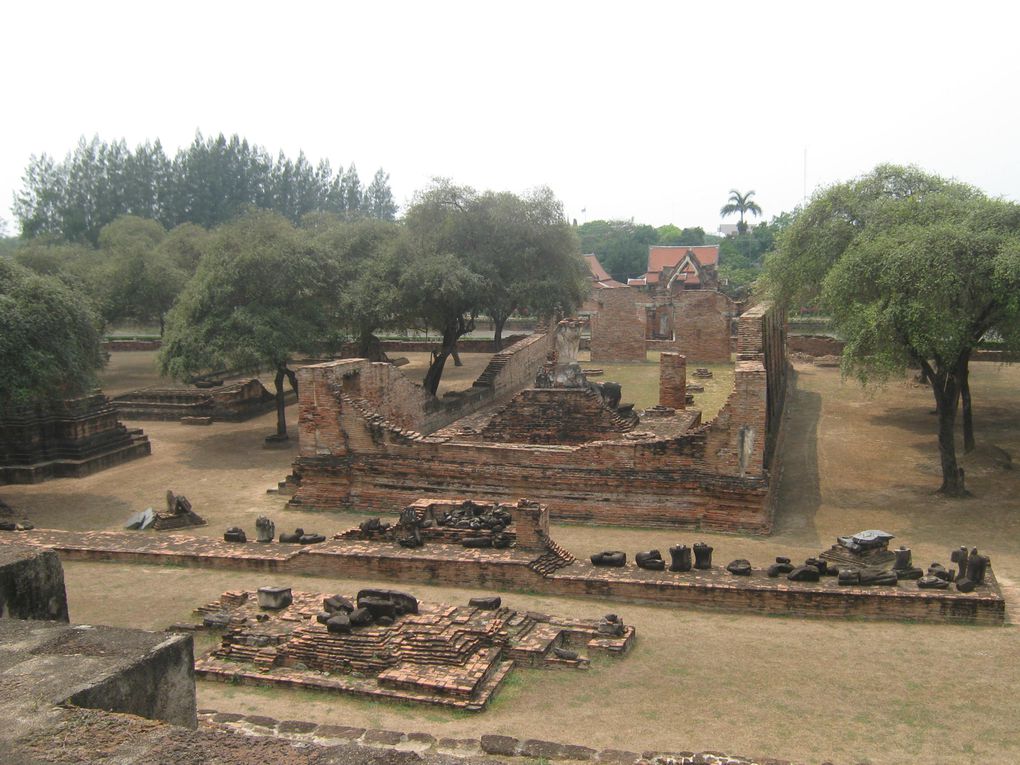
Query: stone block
{"points": [[503, 745], [296, 726], [553, 751]]}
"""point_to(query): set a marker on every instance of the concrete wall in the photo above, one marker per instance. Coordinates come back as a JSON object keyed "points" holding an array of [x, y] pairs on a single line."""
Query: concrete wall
{"points": [[31, 584], [158, 683]]}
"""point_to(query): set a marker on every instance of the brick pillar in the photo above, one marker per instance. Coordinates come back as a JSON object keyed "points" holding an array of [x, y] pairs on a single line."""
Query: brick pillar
{"points": [[673, 380]]}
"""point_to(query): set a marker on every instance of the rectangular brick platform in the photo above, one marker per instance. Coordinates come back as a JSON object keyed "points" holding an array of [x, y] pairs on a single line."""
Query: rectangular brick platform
{"points": [[453, 656], [521, 570]]}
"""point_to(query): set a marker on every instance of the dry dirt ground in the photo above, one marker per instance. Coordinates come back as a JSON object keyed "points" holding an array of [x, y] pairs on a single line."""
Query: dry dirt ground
{"points": [[804, 689]]}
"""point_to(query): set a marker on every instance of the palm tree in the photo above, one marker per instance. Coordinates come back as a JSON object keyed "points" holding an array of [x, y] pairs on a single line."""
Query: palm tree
{"points": [[740, 203]]}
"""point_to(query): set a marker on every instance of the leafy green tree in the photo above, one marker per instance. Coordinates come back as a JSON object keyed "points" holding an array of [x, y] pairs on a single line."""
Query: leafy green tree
{"points": [[440, 286], [49, 339], [671, 235], [528, 255], [367, 269], [621, 246], [913, 269], [740, 204], [139, 280], [184, 245], [260, 295]]}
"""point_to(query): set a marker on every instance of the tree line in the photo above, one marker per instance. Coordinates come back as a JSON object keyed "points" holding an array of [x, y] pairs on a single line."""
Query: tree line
{"points": [[210, 182], [252, 293]]}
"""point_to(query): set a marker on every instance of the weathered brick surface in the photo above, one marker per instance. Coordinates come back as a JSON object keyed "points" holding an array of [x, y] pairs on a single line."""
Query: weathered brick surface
{"points": [[72, 438], [617, 330], [702, 321], [712, 476], [673, 380], [233, 402], [554, 416], [815, 345], [510, 570]]}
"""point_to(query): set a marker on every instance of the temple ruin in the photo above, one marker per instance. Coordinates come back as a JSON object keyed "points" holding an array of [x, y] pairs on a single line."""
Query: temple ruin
{"points": [[66, 439], [371, 439], [388, 645]]}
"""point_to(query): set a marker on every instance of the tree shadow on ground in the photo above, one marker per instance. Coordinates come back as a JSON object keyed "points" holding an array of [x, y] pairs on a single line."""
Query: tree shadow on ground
{"points": [[798, 491], [237, 450], [78, 512]]}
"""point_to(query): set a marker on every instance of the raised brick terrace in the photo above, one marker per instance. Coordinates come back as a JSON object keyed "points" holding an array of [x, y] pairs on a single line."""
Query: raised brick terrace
{"points": [[518, 569], [447, 655]]}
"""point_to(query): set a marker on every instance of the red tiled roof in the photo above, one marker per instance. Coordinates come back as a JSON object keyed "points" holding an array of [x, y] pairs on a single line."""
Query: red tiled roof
{"points": [[599, 274], [661, 256]]}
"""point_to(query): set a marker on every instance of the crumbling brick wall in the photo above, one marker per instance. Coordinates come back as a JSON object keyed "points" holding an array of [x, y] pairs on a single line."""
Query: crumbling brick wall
{"points": [[617, 330], [554, 416], [713, 476], [401, 403], [701, 326]]}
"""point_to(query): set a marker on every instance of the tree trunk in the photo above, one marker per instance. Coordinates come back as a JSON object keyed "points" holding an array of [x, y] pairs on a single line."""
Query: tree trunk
{"points": [[451, 333], [456, 357], [945, 386], [370, 348], [281, 417], [968, 415], [162, 324], [497, 337]]}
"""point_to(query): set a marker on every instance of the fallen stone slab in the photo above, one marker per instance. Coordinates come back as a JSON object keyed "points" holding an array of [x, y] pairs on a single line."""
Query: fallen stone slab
{"points": [[344, 732], [551, 750], [296, 726], [504, 745], [386, 737]]}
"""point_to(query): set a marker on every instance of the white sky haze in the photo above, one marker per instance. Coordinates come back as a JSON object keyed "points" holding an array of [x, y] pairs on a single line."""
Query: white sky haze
{"points": [[645, 110]]}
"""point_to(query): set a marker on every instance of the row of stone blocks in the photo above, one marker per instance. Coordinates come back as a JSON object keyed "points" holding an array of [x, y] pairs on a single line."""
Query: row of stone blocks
{"points": [[489, 744]]}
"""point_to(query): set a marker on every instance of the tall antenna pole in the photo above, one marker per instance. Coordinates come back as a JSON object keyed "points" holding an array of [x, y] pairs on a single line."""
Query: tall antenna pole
{"points": [[804, 198]]}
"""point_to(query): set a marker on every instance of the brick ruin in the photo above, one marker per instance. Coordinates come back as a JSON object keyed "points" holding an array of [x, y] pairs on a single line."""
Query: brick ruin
{"points": [[432, 653], [617, 331], [517, 554], [233, 401], [676, 306], [369, 442], [66, 439]]}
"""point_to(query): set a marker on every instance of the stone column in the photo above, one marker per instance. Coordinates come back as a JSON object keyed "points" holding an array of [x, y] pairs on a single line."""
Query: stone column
{"points": [[673, 380]]}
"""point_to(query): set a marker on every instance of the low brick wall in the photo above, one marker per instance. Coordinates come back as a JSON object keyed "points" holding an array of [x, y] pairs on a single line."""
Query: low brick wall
{"points": [[509, 570], [815, 345], [114, 346]]}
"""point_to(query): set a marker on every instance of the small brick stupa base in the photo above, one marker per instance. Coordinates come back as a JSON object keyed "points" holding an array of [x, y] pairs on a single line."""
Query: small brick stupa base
{"points": [[449, 655]]}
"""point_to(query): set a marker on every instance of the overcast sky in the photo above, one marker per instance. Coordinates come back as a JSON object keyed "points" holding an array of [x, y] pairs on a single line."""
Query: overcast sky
{"points": [[645, 110]]}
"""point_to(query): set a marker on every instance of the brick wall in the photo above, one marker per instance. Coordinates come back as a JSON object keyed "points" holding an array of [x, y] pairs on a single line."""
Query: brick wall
{"points": [[673, 380], [713, 476], [815, 345], [509, 570], [393, 399], [553, 416], [71, 438], [617, 331], [701, 326]]}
